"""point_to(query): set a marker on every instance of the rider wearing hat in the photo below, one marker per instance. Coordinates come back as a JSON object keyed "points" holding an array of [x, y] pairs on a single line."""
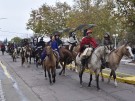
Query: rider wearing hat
{"points": [[87, 41], [72, 40], [41, 43], [57, 38], [107, 39], [106, 42]]}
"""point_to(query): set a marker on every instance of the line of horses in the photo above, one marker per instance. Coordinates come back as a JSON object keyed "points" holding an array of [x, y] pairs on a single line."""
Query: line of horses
{"points": [[52, 60]]}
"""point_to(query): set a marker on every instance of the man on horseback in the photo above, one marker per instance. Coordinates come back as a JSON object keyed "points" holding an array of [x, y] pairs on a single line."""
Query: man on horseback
{"points": [[58, 40], [41, 53], [41, 43], [87, 41], [54, 45], [106, 42], [72, 40]]}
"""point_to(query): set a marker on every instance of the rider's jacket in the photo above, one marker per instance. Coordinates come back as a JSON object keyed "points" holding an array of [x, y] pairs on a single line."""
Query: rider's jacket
{"points": [[59, 42], [107, 41], [72, 40], [88, 41], [54, 45], [41, 44]]}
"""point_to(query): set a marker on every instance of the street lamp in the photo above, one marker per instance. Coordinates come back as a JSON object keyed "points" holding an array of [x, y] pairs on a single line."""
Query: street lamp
{"points": [[115, 40]]}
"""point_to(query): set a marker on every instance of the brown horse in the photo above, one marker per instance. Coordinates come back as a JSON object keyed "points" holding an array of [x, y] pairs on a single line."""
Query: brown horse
{"points": [[65, 57], [114, 59], [50, 63]]}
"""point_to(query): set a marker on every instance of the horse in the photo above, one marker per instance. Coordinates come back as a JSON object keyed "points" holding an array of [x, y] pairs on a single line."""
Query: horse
{"points": [[22, 52], [49, 64], [28, 54], [94, 62], [114, 59], [65, 58], [14, 55]]}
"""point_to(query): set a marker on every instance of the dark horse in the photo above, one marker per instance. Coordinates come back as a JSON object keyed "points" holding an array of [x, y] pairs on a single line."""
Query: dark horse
{"points": [[65, 58], [50, 63]]}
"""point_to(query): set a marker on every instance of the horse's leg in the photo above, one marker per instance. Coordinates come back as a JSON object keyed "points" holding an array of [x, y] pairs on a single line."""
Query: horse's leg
{"points": [[36, 61], [90, 80], [97, 81], [110, 76], [102, 78], [23, 60], [49, 75], [62, 68], [114, 77], [80, 75], [30, 59], [44, 67], [53, 74]]}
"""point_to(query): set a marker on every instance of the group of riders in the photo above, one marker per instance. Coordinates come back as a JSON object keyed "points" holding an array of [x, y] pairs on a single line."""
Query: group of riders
{"points": [[56, 43]]}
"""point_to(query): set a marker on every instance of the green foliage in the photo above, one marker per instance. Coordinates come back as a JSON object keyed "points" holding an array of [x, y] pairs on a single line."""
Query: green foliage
{"points": [[16, 39], [114, 17]]}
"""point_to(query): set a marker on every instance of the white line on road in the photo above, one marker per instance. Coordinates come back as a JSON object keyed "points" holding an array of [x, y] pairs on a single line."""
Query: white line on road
{"points": [[2, 97], [15, 85]]}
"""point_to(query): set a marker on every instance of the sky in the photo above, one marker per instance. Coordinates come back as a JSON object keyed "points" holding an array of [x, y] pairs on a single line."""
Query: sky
{"points": [[16, 14]]}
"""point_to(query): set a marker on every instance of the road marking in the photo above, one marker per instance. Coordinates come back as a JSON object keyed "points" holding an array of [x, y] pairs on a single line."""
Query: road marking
{"points": [[15, 85], [2, 97]]}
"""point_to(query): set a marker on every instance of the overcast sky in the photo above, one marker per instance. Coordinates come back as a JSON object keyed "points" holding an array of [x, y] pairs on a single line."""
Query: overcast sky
{"points": [[17, 13]]}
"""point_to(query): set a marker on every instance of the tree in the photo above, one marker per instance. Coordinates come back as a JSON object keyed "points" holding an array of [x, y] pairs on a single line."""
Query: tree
{"points": [[16, 40], [47, 19], [126, 13]]}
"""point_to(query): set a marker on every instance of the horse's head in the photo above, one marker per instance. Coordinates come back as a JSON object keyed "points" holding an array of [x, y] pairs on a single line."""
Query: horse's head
{"points": [[127, 50], [49, 50]]}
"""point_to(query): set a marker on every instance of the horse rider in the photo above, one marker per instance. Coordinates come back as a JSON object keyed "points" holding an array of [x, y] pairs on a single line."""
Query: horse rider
{"points": [[87, 41], [3, 48], [72, 40], [40, 49], [54, 46], [106, 42], [58, 40], [41, 43], [107, 39]]}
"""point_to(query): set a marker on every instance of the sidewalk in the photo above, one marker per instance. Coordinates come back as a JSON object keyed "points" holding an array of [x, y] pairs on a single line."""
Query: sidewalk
{"points": [[127, 61]]}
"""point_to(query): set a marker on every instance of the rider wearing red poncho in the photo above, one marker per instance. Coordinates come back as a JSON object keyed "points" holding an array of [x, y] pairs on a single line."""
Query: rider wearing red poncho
{"points": [[86, 42]]}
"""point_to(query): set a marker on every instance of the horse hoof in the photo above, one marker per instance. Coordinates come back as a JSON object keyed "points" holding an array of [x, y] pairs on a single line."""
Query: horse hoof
{"points": [[64, 74], [81, 86], [98, 89], [59, 73], [102, 80], [89, 85]]}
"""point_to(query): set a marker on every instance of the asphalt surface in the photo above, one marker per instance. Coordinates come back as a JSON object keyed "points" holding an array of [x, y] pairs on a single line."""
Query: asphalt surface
{"points": [[29, 84]]}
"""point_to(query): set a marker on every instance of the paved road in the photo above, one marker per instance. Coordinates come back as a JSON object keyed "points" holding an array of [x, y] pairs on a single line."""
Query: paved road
{"points": [[29, 84]]}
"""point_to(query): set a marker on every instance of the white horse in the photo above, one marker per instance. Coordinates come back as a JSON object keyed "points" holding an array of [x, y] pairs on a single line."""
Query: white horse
{"points": [[14, 55], [94, 63]]}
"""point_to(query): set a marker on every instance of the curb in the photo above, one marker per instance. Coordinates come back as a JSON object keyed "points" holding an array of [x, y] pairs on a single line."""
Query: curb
{"points": [[121, 77]]}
